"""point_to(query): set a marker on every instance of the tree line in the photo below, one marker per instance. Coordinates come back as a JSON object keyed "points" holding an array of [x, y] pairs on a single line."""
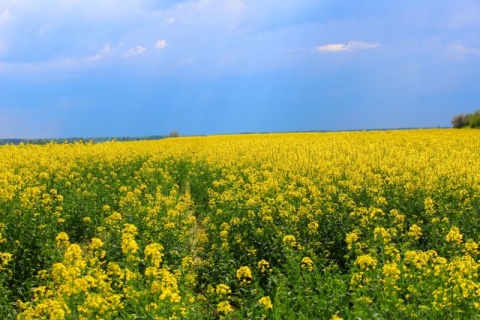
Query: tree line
{"points": [[467, 120], [76, 139]]}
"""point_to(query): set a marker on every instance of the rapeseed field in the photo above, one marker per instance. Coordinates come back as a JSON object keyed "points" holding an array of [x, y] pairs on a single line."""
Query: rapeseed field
{"points": [[345, 225]]}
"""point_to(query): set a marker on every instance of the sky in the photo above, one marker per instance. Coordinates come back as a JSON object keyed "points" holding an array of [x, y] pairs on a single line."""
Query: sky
{"points": [[103, 68]]}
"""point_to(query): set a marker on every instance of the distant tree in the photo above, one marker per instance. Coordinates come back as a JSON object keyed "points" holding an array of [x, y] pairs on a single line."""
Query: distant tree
{"points": [[471, 120], [460, 121], [475, 121], [174, 134]]}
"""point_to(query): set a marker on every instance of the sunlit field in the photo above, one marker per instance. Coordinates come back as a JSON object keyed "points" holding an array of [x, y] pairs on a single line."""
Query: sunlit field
{"points": [[352, 225]]}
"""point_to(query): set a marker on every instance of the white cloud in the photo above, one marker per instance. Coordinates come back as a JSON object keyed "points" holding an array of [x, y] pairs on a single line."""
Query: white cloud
{"points": [[332, 47], [161, 44], [460, 51], [135, 51], [170, 20], [347, 47], [105, 51]]}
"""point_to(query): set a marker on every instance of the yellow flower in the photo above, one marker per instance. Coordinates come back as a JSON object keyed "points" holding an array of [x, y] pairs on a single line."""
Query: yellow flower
{"points": [[224, 307], [152, 307], [153, 253], [365, 300], [224, 234], [73, 254], [244, 275], [129, 245], [95, 243], [471, 247], [381, 234], [366, 262], [129, 228], [265, 302], [115, 216], [58, 272], [263, 265], [5, 259], [391, 271], [415, 232], [381, 201], [312, 227], [223, 289], [62, 239], [351, 238], [169, 225], [114, 269], [429, 205], [307, 263], [289, 240], [454, 235], [44, 175]]}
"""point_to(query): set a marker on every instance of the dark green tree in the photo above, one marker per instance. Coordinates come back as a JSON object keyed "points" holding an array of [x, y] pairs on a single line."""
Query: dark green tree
{"points": [[475, 121], [460, 121]]}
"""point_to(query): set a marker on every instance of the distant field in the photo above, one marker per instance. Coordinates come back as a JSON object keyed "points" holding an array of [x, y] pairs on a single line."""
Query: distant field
{"points": [[370, 225]]}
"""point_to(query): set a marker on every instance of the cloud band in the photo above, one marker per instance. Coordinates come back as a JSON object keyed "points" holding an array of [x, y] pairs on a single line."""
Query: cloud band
{"points": [[347, 47]]}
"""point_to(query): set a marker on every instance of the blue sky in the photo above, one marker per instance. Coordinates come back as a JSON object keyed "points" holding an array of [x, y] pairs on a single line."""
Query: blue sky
{"points": [[84, 68]]}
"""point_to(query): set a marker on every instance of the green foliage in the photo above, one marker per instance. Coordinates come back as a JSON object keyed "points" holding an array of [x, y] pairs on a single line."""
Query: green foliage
{"points": [[471, 120], [475, 122]]}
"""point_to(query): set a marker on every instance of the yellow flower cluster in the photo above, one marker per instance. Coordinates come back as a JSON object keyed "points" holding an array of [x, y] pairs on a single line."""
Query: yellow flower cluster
{"points": [[415, 232], [244, 275], [454, 236], [224, 307], [178, 227], [289, 240], [263, 266], [366, 262], [266, 302], [223, 289], [307, 263]]}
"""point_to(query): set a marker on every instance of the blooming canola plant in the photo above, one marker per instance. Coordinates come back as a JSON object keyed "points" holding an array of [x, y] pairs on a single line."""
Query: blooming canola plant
{"points": [[347, 224]]}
